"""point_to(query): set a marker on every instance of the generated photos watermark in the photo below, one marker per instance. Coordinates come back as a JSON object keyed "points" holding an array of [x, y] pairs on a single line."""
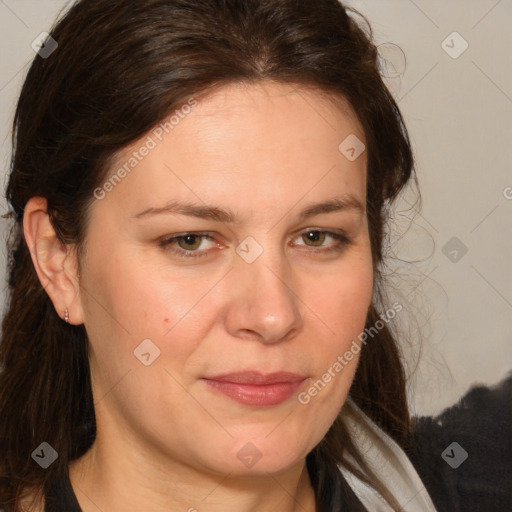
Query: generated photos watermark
{"points": [[343, 360], [151, 142]]}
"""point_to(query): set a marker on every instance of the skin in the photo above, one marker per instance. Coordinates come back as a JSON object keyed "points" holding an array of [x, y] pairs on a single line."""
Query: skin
{"points": [[165, 438]]}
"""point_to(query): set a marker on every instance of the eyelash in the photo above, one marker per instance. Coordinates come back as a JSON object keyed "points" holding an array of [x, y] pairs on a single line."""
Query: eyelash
{"points": [[167, 243]]}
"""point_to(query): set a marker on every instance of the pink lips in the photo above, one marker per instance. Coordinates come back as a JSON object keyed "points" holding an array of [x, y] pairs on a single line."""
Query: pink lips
{"points": [[256, 389]]}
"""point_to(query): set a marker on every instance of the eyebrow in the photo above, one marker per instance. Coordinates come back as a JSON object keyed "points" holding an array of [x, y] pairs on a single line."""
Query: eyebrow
{"points": [[344, 203]]}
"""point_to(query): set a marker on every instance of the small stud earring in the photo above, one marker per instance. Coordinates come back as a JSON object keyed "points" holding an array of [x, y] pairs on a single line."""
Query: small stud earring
{"points": [[66, 316]]}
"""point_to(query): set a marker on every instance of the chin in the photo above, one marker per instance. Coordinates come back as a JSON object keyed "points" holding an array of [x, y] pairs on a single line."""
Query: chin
{"points": [[264, 454], [255, 454]]}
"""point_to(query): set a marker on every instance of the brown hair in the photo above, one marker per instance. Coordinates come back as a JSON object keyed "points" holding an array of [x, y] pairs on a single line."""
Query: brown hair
{"points": [[120, 67]]}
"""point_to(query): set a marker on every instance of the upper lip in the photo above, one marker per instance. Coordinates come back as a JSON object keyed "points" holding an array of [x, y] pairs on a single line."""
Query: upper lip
{"points": [[255, 377]]}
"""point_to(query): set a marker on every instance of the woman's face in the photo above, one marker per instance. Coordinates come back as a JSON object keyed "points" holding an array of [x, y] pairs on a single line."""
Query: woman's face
{"points": [[265, 288]]}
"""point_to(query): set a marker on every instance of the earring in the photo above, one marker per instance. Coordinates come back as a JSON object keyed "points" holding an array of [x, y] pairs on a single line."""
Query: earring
{"points": [[66, 316]]}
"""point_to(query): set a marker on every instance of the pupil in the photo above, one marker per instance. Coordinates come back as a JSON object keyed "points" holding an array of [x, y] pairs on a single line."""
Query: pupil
{"points": [[190, 241], [315, 237]]}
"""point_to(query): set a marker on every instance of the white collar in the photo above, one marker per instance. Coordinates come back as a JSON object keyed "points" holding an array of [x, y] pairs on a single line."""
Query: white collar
{"points": [[388, 461]]}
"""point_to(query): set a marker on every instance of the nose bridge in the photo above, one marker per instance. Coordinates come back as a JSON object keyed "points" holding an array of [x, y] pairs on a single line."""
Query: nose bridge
{"points": [[265, 302]]}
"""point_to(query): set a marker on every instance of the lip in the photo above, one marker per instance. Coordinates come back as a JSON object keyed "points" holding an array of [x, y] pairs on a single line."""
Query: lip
{"points": [[257, 378], [255, 388]]}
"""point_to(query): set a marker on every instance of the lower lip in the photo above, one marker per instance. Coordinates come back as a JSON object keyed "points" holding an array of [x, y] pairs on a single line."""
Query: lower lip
{"points": [[256, 395]]}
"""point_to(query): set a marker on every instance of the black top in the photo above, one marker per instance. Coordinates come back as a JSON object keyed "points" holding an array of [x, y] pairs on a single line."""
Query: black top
{"points": [[481, 425], [61, 498], [475, 475]]}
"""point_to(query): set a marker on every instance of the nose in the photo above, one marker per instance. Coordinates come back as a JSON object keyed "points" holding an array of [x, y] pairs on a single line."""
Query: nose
{"points": [[263, 304]]}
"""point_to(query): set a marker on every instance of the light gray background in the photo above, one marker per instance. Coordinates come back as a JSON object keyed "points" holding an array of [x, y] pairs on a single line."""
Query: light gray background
{"points": [[459, 114]]}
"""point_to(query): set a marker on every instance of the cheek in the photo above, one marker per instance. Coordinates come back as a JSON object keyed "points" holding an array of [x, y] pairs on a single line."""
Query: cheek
{"points": [[131, 299], [340, 299], [128, 302], [339, 304]]}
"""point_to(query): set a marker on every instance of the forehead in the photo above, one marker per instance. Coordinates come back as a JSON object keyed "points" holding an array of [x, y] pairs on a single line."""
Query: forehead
{"points": [[286, 110], [263, 140], [257, 94]]}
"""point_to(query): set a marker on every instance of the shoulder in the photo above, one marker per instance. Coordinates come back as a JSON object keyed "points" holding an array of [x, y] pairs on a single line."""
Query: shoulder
{"points": [[464, 454]]}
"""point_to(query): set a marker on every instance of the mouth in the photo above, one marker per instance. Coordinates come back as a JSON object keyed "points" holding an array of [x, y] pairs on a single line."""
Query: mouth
{"points": [[257, 389]]}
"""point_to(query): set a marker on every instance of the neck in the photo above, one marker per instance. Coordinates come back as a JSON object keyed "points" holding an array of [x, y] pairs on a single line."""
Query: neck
{"points": [[110, 477]]}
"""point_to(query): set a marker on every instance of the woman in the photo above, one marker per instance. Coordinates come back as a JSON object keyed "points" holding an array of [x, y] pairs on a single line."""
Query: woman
{"points": [[200, 190]]}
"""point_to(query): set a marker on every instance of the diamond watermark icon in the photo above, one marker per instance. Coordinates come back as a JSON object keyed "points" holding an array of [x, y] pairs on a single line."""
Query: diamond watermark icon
{"points": [[352, 147], [249, 455], [249, 250], [454, 455], [146, 352], [454, 45], [44, 455], [454, 249], [44, 45]]}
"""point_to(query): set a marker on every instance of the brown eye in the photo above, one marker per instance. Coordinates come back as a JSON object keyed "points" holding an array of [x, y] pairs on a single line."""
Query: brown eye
{"points": [[187, 245], [316, 237], [190, 242]]}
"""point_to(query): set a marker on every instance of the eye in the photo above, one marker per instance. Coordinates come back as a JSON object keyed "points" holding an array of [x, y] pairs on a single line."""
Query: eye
{"points": [[187, 245], [315, 238], [191, 245]]}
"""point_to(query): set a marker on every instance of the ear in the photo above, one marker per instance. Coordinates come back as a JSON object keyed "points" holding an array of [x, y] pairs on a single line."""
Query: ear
{"points": [[55, 263]]}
